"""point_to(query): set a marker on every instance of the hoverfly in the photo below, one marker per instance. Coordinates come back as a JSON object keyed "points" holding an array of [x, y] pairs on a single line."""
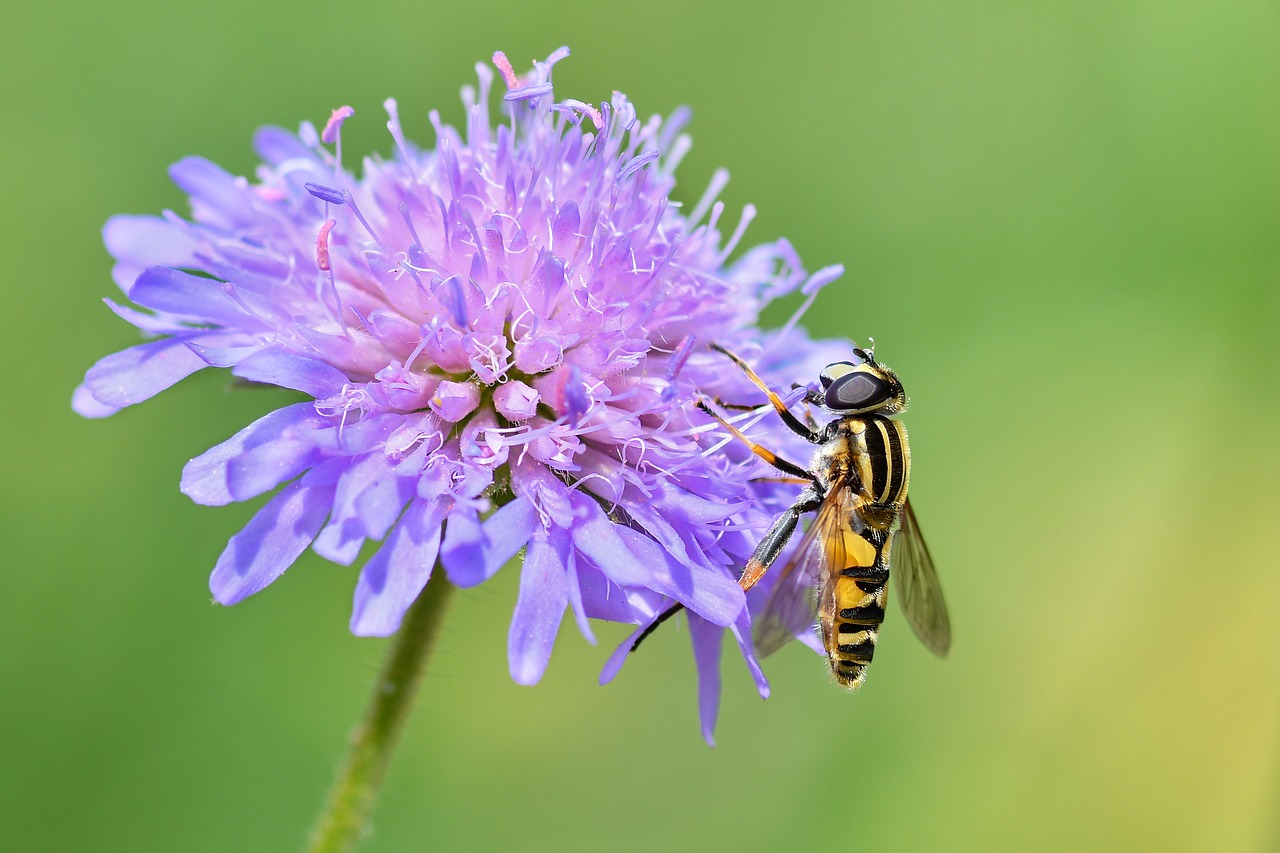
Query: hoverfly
{"points": [[857, 482]]}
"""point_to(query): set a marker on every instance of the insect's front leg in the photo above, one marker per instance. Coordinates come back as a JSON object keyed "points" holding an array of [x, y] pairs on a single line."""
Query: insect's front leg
{"points": [[777, 537], [764, 453], [792, 422], [765, 554]]}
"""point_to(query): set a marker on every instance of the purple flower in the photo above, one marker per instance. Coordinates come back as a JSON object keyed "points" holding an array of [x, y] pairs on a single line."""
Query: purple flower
{"points": [[502, 338]]}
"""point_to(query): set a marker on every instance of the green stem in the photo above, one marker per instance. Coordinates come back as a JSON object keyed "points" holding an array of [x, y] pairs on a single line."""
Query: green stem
{"points": [[342, 823]]}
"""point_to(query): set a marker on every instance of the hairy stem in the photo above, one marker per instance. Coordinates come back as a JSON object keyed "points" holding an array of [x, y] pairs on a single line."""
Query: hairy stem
{"points": [[344, 819]]}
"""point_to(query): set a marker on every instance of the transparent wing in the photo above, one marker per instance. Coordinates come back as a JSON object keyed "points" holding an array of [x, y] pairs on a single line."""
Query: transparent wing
{"points": [[792, 604], [917, 586]]}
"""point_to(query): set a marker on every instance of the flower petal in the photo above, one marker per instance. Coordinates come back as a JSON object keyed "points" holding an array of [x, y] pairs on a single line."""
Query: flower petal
{"points": [[139, 373], [544, 594], [260, 455], [86, 405], [217, 196], [397, 573], [276, 366], [138, 242], [473, 552], [175, 292], [276, 145], [369, 499], [629, 558], [270, 542], [742, 633], [707, 642]]}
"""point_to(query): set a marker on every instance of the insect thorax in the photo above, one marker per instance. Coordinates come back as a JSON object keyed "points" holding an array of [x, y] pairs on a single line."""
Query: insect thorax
{"points": [[871, 455]]}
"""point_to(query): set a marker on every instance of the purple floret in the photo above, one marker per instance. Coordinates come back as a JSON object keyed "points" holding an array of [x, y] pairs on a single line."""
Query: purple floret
{"points": [[503, 337]]}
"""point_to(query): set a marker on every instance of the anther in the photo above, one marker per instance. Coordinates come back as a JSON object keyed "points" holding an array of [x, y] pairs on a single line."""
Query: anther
{"points": [[328, 194]]}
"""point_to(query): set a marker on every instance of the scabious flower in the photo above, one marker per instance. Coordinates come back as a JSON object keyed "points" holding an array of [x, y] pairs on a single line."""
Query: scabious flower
{"points": [[501, 340]]}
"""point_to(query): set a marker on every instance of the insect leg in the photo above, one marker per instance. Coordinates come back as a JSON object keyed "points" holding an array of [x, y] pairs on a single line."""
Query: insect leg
{"points": [[793, 423], [765, 554], [777, 537], [810, 398], [666, 614], [764, 453]]}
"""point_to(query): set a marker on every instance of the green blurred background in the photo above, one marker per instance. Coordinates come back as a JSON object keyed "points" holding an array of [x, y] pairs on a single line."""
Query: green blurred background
{"points": [[1060, 222]]}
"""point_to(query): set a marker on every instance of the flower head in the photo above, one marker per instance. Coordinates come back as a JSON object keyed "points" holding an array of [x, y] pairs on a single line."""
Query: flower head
{"points": [[501, 339]]}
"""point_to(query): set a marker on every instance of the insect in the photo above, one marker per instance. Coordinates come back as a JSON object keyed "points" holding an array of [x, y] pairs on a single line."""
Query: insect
{"points": [[864, 529]]}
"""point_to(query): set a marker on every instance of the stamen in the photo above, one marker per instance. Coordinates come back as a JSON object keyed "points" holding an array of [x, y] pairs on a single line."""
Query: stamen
{"points": [[576, 108], [528, 93], [322, 245], [408, 221], [718, 181], [675, 363], [558, 54], [333, 127], [634, 164], [351, 202], [748, 214], [393, 125], [662, 264], [676, 154], [326, 194], [815, 283]]}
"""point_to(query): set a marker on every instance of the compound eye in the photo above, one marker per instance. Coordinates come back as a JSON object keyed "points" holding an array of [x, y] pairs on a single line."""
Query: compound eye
{"points": [[859, 391], [832, 372]]}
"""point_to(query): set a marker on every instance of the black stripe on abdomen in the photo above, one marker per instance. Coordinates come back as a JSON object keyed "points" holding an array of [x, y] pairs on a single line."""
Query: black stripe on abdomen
{"points": [[860, 652], [871, 614]]}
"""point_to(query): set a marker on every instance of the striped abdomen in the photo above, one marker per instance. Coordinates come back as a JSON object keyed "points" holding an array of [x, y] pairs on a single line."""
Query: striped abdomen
{"points": [[881, 459], [857, 606]]}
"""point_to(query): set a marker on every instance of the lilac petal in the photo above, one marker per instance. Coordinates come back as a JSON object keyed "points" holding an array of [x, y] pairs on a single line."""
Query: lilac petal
{"points": [[86, 405], [576, 603], [813, 641], [453, 401], [290, 370], [223, 356], [139, 373], [276, 145], [742, 633], [138, 242], [516, 400], [397, 573], [369, 499], [544, 593], [629, 558], [175, 292], [340, 541], [207, 479], [271, 541], [147, 322], [215, 192], [473, 552], [707, 641], [614, 664], [260, 469], [340, 435], [379, 505], [603, 599]]}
